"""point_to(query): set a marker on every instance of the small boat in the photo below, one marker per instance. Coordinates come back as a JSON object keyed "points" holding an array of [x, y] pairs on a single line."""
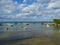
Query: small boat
{"points": [[24, 27], [48, 25], [27, 24]]}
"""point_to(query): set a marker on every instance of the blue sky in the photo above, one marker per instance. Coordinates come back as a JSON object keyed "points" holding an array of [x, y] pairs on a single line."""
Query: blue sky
{"points": [[29, 2], [36, 10]]}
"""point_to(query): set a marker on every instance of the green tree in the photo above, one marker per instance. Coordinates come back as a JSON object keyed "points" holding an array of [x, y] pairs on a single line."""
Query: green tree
{"points": [[57, 21]]}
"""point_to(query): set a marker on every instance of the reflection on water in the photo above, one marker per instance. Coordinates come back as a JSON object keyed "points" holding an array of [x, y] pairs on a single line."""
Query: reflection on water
{"points": [[29, 34]]}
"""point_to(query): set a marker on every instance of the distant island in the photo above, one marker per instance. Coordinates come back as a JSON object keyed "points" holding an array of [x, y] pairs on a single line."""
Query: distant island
{"points": [[26, 21]]}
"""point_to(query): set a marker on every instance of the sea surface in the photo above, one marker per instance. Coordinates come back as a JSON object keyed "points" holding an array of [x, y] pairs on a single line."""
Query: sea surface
{"points": [[29, 34]]}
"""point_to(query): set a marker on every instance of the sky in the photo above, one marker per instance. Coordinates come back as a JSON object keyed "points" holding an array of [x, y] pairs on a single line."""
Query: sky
{"points": [[30, 10]]}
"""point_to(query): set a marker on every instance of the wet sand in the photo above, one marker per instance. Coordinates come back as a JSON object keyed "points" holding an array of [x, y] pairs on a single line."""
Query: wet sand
{"points": [[28, 38], [31, 41]]}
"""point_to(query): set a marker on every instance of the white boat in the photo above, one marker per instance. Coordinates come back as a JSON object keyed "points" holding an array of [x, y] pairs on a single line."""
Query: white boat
{"points": [[48, 25], [24, 27]]}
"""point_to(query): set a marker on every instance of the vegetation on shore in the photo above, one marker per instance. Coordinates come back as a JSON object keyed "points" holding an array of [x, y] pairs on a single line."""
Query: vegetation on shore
{"points": [[57, 21]]}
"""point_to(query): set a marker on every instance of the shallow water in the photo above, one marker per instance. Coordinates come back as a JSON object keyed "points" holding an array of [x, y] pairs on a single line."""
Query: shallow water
{"points": [[32, 34]]}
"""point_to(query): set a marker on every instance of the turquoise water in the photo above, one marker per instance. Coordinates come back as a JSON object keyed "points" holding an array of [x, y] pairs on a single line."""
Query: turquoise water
{"points": [[28, 33]]}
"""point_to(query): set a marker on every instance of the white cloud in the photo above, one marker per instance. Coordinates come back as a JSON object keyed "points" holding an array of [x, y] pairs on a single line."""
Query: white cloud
{"points": [[7, 6], [29, 8], [24, 1], [41, 9], [54, 4]]}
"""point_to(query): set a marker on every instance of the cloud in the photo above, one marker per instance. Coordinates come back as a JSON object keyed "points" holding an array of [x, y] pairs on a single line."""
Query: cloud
{"points": [[39, 9], [7, 6], [24, 1], [54, 4]]}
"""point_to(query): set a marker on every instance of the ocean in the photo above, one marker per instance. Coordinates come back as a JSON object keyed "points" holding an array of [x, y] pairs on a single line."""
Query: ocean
{"points": [[29, 34]]}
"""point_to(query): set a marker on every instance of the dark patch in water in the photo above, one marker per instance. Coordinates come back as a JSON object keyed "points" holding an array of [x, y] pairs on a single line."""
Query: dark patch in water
{"points": [[10, 41]]}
